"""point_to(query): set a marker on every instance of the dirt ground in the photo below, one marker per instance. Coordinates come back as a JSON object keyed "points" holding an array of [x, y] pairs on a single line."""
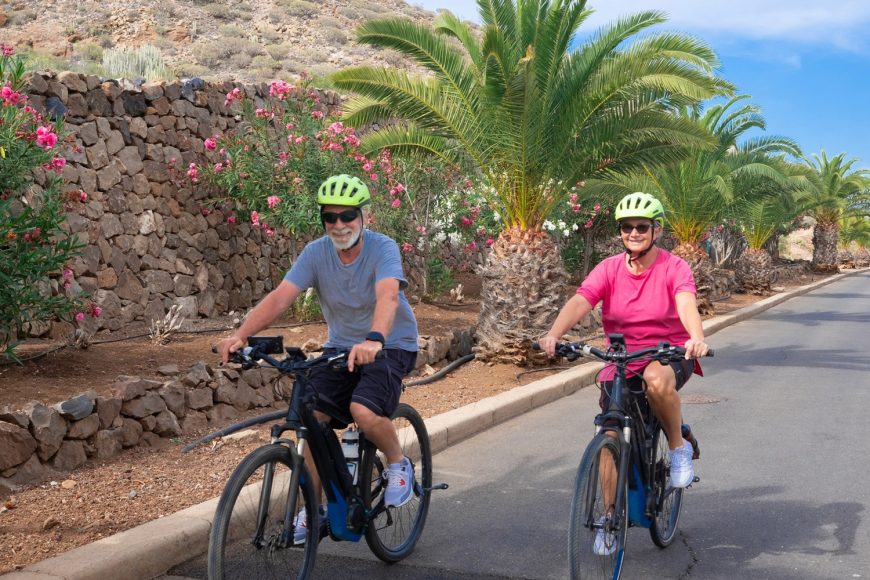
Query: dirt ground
{"points": [[139, 485]]}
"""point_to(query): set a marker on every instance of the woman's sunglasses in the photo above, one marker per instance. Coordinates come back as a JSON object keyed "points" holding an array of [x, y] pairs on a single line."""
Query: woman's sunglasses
{"points": [[641, 228], [346, 216]]}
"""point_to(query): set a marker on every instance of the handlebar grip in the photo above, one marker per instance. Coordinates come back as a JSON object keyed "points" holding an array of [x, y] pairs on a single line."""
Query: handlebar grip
{"points": [[214, 348], [536, 346], [709, 353]]}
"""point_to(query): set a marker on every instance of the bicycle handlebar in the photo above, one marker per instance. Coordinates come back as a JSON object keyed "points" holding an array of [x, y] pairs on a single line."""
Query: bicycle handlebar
{"points": [[662, 352], [249, 356]]}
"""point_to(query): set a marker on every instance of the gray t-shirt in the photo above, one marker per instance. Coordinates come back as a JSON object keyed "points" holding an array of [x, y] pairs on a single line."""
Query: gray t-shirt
{"points": [[347, 291]]}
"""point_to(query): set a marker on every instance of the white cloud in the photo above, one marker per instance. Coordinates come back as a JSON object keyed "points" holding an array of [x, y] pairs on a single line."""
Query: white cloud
{"points": [[841, 24]]}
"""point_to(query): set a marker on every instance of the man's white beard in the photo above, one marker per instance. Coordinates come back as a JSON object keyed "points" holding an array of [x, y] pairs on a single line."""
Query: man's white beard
{"points": [[346, 245]]}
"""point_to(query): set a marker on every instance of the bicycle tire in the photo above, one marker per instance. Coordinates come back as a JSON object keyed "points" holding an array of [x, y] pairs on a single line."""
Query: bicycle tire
{"points": [[393, 532], [234, 550], [589, 514], [668, 501]]}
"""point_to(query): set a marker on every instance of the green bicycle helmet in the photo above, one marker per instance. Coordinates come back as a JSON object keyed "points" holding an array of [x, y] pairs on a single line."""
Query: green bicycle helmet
{"points": [[343, 190], [640, 205]]}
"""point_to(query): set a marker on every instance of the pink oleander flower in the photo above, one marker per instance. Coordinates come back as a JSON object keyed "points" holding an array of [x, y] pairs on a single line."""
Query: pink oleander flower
{"points": [[192, 172], [468, 184], [407, 248], [45, 138], [352, 140], [67, 273], [270, 233], [255, 218], [588, 224], [297, 180], [264, 114], [334, 147], [96, 311], [317, 114], [373, 176], [298, 140], [233, 95], [400, 188], [8, 49], [80, 316], [83, 197], [280, 89], [470, 247], [218, 167], [273, 200], [231, 219], [396, 202], [172, 160], [573, 198], [367, 167], [596, 207], [210, 144], [490, 241], [337, 127], [421, 230], [67, 284], [10, 97], [465, 221]]}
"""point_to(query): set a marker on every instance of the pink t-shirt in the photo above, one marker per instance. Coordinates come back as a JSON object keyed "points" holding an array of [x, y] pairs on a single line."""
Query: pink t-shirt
{"points": [[641, 306]]}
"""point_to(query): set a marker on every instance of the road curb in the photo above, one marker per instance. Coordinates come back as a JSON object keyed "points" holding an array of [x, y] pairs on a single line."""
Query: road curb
{"points": [[149, 550]]}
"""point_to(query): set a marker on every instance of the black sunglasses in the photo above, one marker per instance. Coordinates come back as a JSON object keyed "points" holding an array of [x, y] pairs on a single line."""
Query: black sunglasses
{"points": [[346, 216], [641, 228]]}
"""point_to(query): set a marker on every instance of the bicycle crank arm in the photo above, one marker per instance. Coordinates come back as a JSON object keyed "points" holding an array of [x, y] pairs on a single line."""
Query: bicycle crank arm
{"points": [[436, 487]]}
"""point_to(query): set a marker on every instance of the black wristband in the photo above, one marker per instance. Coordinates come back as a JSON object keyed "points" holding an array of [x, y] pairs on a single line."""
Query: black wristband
{"points": [[376, 337]]}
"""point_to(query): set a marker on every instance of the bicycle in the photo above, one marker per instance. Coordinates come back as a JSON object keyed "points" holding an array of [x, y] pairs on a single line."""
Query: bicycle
{"points": [[624, 476], [255, 520]]}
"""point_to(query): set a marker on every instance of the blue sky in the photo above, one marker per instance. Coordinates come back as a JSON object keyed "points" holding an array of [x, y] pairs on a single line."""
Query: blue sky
{"points": [[805, 63]]}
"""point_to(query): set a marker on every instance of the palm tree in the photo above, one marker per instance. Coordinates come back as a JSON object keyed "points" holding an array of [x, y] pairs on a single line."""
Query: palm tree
{"points": [[836, 189], [855, 229], [764, 210], [532, 118], [698, 190]]}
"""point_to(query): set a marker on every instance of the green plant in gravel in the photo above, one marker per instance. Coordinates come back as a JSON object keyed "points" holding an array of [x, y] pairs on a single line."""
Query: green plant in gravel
{"points": [[34, 245], [143, 61]]}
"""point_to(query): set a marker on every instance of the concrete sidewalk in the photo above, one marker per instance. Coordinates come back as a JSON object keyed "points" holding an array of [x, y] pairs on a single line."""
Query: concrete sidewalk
{"points": [[149, 550]]}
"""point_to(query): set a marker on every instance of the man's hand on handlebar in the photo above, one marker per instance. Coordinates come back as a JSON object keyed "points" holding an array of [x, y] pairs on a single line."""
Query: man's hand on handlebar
{"points": [[229, 345], [363, 353]]}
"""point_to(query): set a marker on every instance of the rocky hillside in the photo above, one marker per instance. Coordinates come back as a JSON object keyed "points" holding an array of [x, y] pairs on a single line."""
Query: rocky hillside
{"points": [[246, 40]]}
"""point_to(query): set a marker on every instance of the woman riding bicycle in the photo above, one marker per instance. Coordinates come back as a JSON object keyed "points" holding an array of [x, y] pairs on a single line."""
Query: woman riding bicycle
{"points": [[359, 281], [648, 295]]}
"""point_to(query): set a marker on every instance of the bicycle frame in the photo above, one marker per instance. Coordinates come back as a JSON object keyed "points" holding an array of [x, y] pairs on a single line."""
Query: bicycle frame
{"points": [[346, 512]]}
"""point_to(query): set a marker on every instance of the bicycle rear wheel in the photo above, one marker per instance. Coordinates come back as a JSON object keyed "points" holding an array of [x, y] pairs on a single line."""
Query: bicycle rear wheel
{"points": [[393, 532], [668, 500], [596, 541], [249, 538]]}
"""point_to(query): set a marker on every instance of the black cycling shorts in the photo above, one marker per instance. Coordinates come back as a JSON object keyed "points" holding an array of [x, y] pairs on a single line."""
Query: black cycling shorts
{"points": [[376, 385], [682, 370]]}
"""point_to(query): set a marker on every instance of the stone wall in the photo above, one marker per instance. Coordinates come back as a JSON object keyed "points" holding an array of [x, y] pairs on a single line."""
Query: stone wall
{"points": [[42, 439], [150, 242]]}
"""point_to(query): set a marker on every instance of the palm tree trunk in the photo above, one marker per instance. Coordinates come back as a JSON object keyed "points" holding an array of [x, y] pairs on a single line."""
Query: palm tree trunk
{"points": [[702, 270], [754, 270], [523, 284], [825, 236]]}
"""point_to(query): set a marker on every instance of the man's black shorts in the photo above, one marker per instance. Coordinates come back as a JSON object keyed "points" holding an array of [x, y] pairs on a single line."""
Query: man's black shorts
{"points": [[377, 385]]}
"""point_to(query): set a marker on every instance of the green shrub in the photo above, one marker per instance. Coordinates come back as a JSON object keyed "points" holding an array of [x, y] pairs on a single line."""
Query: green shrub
{"points": [[35, 246], [88, 51], [335, 36], [189, 70], [439, 278], [307, 306], [220, 11], [298, 8], [21, 17], [264, 62], [277, 51], [143, 61]]}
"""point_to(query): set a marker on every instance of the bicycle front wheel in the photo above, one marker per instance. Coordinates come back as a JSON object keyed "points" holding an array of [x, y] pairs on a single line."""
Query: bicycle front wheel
{"points": [[596, 544], [668, 500], [253, 531], [393, 532]]}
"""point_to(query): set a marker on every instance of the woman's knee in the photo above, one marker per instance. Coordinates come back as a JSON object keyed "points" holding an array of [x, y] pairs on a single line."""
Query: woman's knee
{"points": [[660, 381]]}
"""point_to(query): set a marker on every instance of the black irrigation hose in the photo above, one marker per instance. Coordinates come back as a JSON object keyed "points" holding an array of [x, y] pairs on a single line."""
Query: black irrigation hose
{"points": [[229, 429], [442, 372]]}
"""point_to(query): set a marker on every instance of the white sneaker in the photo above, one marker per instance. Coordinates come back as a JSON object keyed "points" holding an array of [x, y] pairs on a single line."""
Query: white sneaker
{"points": [[300, 525], [682, 470], [400, 483], [605, 542]]}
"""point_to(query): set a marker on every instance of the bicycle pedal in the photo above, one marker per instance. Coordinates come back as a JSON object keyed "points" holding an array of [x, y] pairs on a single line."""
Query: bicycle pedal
{"points": [[696, 479]]}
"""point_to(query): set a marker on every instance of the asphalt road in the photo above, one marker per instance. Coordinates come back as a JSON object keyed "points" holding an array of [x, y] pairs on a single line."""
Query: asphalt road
{"points": [[781, 416]]}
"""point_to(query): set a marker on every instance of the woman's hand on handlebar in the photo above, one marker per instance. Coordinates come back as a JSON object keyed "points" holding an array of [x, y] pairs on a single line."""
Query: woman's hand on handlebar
{"points": [[363, 353], [229, 345], [548, 345], [696, 348]]}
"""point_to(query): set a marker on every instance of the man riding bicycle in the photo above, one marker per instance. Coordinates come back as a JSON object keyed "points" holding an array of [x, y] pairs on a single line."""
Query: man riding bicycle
{"points": [[648, 295], [359, 280]]}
